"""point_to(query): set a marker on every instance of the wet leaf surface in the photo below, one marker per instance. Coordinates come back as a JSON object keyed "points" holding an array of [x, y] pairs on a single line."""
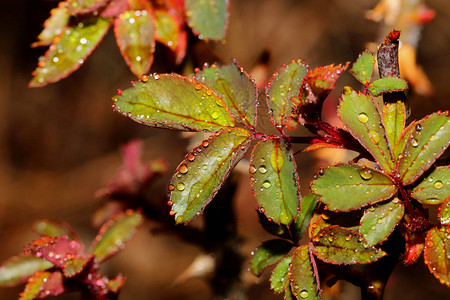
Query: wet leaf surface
{"points": [[115, 233], [307, 206], [201, 174], [387, 84], [428, 140], [394, 119], [283, 85], [379, 221], [279, 280], [84, 6], [135, 35], [346, 187], [166, 28], [362, 69], [436, 253], [274, 177], [269, 253], [434, 188], [53, 26], [303, 280], [69, 50], [338, 245], [235, 87], [362, 118], [401, 143], [175, 102], [18, 268], [208, 18], [444, 212]]}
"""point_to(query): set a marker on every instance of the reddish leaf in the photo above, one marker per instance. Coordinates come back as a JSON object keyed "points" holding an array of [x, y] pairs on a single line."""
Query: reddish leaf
{"points": [[54, 25], [116, 7], [135, 35], [318, 144], [436, 253], [43, 284], [323, 79], [414, 244], [167, 30]]}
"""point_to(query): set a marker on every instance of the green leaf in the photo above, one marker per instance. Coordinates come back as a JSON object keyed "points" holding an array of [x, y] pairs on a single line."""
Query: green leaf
{"points": [[275, 180], [269, 253], [17, 269], [115, 233], [54, 25], [346, 187], [35, 285], [344, 246], [350, 220], [283, 85], [53, 229], [303, 279], [387, 84], [69, 50], [166, 28], [73, 266], [401, 143], [394, 119], [362, 69], [135, 35], [379, 221], [307, 208], [434, 188], [437, 248], [235, 87], [429, 139], [201, 174], [173, 101], [444, 212], [361, 116], [279, 280], [84, 6], [208, 18]]}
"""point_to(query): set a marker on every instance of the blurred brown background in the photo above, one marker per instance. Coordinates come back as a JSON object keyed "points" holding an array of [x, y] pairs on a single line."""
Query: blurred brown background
{"points": [[59, 144]]}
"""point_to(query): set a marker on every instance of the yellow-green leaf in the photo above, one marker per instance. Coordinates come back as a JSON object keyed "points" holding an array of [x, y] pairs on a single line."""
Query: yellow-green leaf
{"points": [[84, 6], [394, 119], [69, 50], [428, 140], [173, 101], [434, 188], [269, 253], [208, 18], [135, 35], [17, 269], [275, 180], [54, 25], [303, 279], [387, 84], [362, 69], [346, 187], [279, 281], [201, 174]]}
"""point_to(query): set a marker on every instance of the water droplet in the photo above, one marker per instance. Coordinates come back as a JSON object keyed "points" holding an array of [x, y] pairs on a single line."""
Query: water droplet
{"points": [[321, 171], [267, 184], [198, 86], [169, 202], [366, 174], [144, 78], [348, 238], [304, 294], [180, 186], [156, 76], [220, 103], [262, 209], [374, 136], [171, 212], [262, 169], [215, 115], [205, 143], [119, 92], [209, 92], [191, 157], [171, 187], [219, 158], [252, 169], [338, 186], [432, 138], [205, 167], [414, 143], [438, 185], [183, 169], [363, 118], [418, 127], [330, 239]]}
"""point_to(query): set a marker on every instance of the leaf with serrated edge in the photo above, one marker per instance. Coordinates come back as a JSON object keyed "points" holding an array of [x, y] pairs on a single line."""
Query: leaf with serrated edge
{"points": [[208, 18], [437, 248], [69, 50], [54, 25], [444, 212], [269, 253], [84, 6], [235, 87], [434, 188], [135, 35], [346, 187], [279, 280], [53, 228], [307, 208], [43, 284], [387, 84], [115, 233], [401, 143], [362, 69], [201, 174], [303, 279], [274, 177], [394, 119], [167, 30], [175, 102], [362, 118], [283, 85], [428, 140], [338, 245], [18, 268], [379, 221], [350, 220]]}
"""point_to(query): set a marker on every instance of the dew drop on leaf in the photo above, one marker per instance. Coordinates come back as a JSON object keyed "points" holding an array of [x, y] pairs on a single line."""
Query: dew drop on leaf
{"points": [[252, 169], [418, 127], [267, 184], [262, 169], [304, 294], [366, 174], [180, 186], [171, 187], [144, 78], [414, 143], [438, 185], [321, 171], [205, 167], [171, 212], [190, 157], [215, 115], [374, 136], [183, 169], [363, 118], [432, 138], [205, 143]]}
